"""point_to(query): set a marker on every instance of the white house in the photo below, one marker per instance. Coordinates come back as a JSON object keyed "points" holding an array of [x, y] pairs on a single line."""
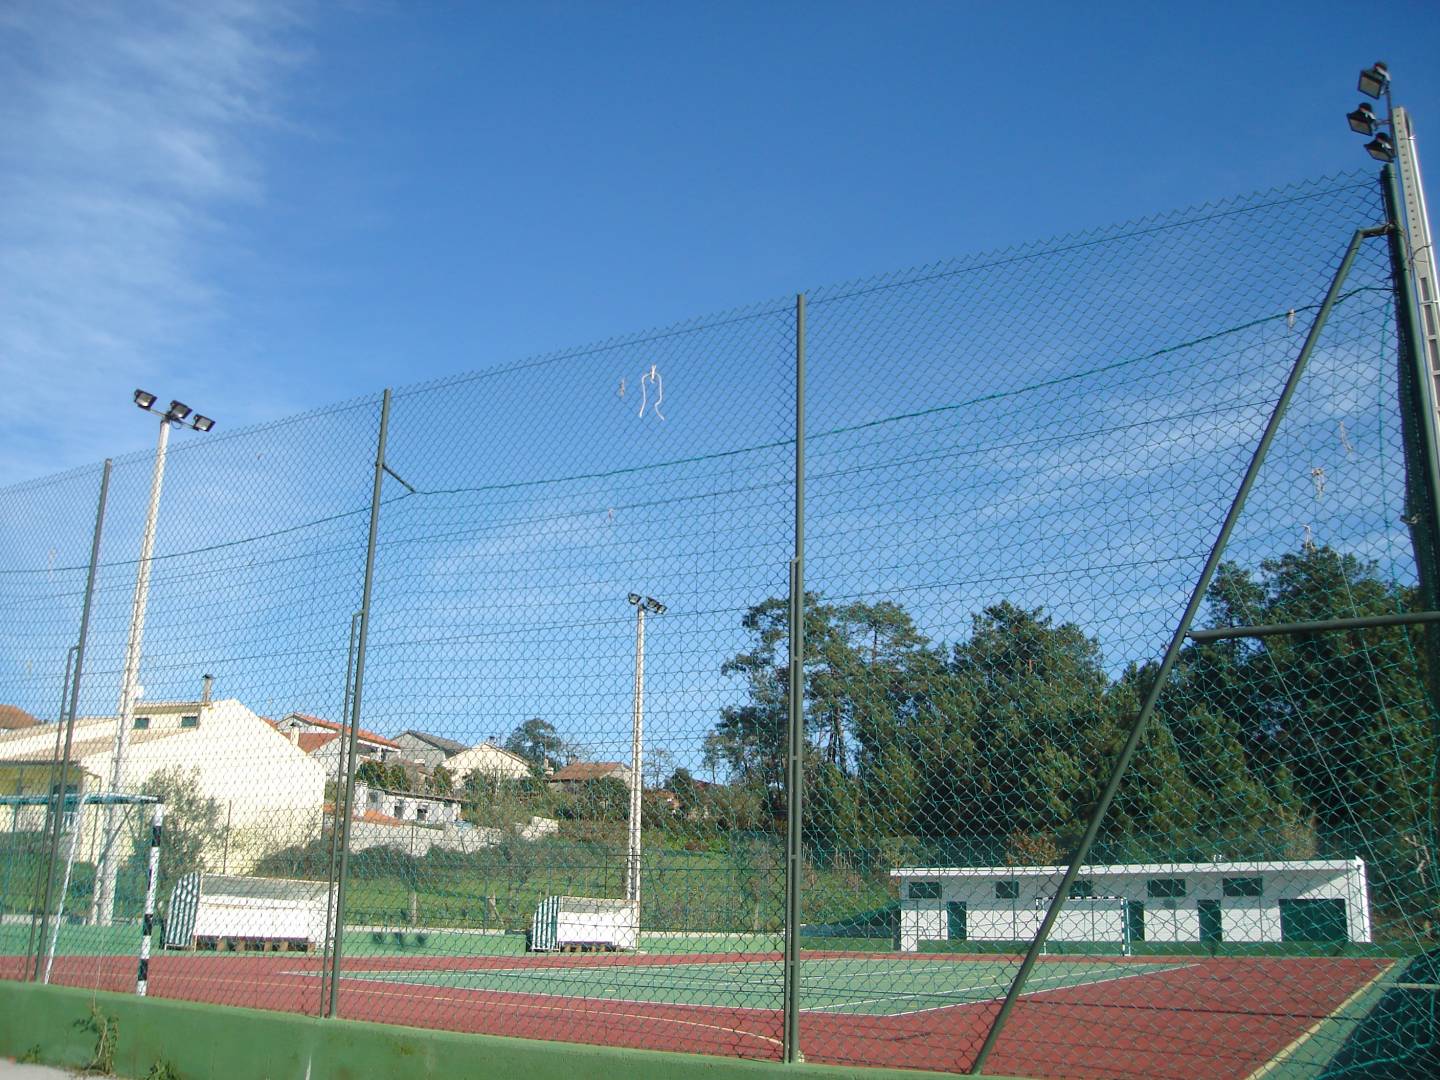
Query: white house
{"points": [[270, 793], [406, 805], [1316, 900], [323, 740], [491, 761]]}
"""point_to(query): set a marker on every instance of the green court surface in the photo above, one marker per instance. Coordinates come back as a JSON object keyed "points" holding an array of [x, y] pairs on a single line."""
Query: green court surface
{"points": [[871, 986]]}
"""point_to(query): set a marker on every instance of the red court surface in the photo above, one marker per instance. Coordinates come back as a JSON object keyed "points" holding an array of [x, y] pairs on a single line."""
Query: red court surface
{"points": [[1207, 1018]]}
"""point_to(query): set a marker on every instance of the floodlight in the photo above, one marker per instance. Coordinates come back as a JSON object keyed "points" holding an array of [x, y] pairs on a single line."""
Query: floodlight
{"points": [[1374, 80], [178, 411], [143, 399], [1381, 148], [634, 598], [202, 423], [655, 605], [1362, 120]]}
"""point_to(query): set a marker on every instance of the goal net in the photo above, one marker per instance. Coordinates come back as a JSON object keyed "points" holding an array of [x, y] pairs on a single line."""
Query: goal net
{"points": [[1090, 924], [53, 846]]}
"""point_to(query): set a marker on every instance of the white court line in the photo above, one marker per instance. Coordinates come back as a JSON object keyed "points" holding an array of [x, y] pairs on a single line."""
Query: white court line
{"points": [[1047, 990], [389, 975], [1294, 1046]]}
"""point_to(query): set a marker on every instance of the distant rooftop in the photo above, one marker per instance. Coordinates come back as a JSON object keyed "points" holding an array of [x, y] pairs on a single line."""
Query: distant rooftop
{"points": [[450, 746]]}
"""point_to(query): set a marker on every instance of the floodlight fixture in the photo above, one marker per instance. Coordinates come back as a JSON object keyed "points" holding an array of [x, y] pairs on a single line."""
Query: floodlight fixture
{"points": [[1363, 120], [178, 411], [144, 399], [202, 423], [654, 606], [634, 598], [1375, 80], [1381, 148]]}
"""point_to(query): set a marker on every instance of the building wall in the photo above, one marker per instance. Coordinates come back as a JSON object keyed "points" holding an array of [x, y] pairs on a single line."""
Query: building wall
{"points": [[270, 791], [1166, 919], [405, 805], [414, 749], [489, 761]]}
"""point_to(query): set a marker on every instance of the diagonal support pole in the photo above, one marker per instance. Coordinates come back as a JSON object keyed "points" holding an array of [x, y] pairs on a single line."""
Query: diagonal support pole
{"points": [[1172, 653]]}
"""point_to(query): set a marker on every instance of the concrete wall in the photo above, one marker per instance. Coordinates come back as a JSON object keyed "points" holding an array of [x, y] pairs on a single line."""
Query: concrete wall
{"points": [[1166, 919]]}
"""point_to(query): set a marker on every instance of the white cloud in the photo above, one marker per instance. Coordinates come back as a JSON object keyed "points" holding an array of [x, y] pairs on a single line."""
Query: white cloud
{"points": [[129, 133]]}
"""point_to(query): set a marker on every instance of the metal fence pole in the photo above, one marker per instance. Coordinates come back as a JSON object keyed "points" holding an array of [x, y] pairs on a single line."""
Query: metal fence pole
{"points": [[795, 741], [340, 773], [1422, 450], [1172, 653], [67, 718], [344, 809], [40, 909]]}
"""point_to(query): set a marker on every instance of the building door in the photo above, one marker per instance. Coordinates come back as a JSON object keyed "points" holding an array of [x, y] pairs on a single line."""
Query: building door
{"points": [[1135, 920], [1210, 932], [955, 920], [1312, 920]]}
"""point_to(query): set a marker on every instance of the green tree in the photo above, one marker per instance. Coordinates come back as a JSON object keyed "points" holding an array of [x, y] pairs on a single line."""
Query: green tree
{"points": [[194, 833], [442, 781], [538, 742]]}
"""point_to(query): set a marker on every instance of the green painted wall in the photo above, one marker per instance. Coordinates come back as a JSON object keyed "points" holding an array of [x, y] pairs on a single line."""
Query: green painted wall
{"points": [[211, 1042]]}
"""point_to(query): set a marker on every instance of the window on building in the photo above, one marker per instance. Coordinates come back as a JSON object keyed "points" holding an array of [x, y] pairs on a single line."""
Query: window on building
{"points": [[189, 721], [421, 812], [374, 798], [141, 723], [1082, 889], [924, 890], [1242, 886], [400, 809], [1165, 888], [1007, 890]]}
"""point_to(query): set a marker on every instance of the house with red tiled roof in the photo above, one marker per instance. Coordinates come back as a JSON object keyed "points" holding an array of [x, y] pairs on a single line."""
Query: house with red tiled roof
{"points": [[577, 774], [13, 718], [323, 739]]}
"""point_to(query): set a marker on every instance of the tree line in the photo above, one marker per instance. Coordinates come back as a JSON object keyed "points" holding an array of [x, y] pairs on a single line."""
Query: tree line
{"points": [[993, 750]]}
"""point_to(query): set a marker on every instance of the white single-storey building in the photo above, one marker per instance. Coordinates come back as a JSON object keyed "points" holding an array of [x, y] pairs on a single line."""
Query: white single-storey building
{"points": [[406, 805], [1312, 900]]}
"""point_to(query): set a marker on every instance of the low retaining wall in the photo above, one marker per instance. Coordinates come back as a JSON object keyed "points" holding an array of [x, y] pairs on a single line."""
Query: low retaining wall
{"points": [[213, 1042]]}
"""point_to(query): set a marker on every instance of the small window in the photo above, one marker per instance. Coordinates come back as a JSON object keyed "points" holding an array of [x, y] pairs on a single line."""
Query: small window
{"points": [[1007, 890], [420, 812], [924, 890], [1243, 886], [400, 809], [1082, 889], [1165, 888], [189, 721], [141, 723], [374, 798]]}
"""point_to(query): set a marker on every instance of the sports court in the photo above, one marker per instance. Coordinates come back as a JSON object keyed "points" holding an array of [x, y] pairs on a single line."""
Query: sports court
{"points": [[1173, 1015]]}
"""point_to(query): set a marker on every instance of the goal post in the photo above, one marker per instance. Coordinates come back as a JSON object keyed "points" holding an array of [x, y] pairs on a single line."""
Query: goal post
{"points": [[1092, 920], [73, 825]]}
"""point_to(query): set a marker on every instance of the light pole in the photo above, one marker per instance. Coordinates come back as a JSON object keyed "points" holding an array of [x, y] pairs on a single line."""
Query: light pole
{"points": [[178, 414], [637, 748], [1398, 146]]}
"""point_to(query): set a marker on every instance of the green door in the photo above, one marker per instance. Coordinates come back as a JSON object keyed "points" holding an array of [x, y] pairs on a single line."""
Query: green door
{"points": [[1210, 921], [1135, 920], [955, 920], [1312, 920]]}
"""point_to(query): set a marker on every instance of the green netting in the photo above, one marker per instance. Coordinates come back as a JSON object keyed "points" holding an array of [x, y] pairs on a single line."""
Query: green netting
{"points": [[1015, 467]]}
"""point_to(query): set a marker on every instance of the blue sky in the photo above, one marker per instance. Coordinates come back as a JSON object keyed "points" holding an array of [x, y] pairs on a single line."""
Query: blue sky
{"points": [[266, 209]]}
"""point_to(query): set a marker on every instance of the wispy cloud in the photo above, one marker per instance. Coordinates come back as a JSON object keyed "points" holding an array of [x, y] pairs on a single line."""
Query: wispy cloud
{"points": [[130, 132]]}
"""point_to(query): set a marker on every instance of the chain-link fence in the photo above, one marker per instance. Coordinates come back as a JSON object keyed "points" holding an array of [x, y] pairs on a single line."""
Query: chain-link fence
{"points": [[469, 705]]}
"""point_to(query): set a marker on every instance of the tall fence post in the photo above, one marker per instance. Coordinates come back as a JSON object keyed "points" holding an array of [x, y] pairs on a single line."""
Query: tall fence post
{"points": [[795, 734], [1172, 652], [344, 809], [340, 773], [1422, 454], [60, 776]]}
